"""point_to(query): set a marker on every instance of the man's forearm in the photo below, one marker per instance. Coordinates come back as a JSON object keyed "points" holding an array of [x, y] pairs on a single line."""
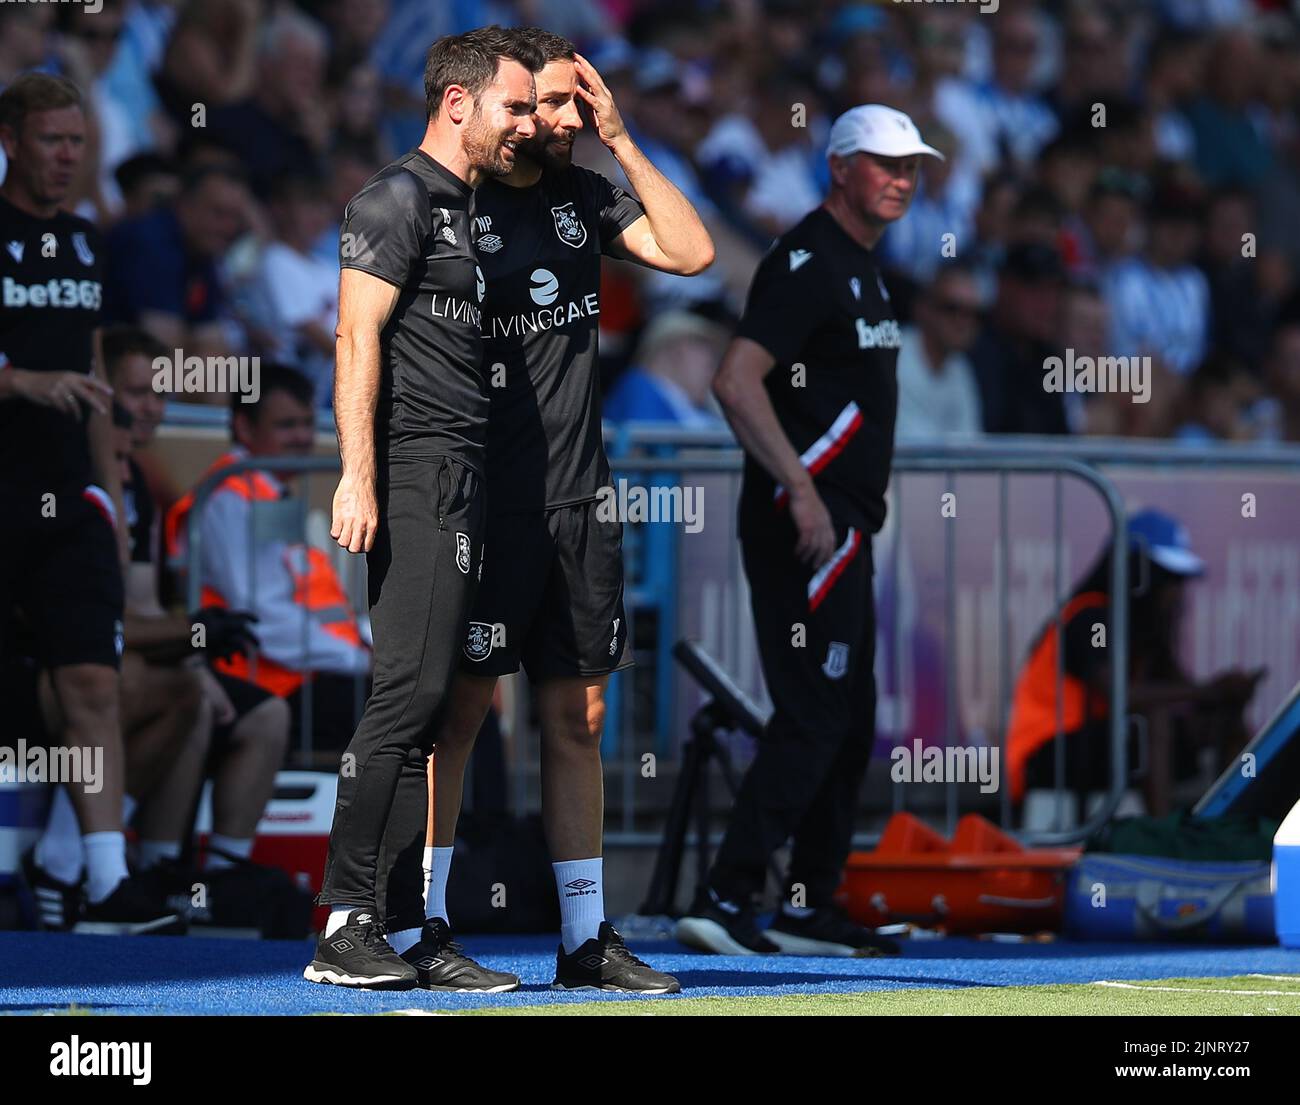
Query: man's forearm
{"points": [[356, 393], [676, 225], [754, 422]]}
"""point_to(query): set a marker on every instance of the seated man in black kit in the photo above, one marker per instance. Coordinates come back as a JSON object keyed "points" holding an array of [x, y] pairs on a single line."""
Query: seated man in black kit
{"points": [[249, 726]]}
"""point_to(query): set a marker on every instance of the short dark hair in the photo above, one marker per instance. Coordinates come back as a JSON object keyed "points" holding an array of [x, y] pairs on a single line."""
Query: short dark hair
{"points": [[193, 178], [274, 377], [34, 92], [553, 47], [134, 171], [471, 61], [128, 341]]}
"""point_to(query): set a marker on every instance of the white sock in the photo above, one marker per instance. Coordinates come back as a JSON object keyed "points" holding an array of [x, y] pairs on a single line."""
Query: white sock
{"points": [[234, 845], [437, 865], [153, 852], [402, 939], [105, 863], [58, 851], [338, 918], [581, 886]]}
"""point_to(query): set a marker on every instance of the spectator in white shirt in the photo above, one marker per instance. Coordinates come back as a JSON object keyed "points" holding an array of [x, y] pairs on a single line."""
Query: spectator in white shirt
{"points": [[298, 289], [937, 393]]}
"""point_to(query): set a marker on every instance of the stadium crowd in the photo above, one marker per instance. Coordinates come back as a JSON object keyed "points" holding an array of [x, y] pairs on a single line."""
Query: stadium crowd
{"points": [[1121, 179]]}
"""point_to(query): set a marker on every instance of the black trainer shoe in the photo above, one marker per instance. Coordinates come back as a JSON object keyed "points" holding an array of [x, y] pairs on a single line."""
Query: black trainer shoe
{"points": [[722, 927], [605, 963], [358, 955], [828, 931], [441, 964], [56, 904], [135, 907]]}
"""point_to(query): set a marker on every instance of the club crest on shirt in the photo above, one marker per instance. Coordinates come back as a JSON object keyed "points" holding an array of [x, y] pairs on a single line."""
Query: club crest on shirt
{"points": [[478, 641], [82, 247], [490, 243], [837, 660], [568, 227], [462, 552]]}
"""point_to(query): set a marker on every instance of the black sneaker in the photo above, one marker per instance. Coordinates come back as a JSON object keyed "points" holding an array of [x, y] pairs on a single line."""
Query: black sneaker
{"points": [[135, 908], [605, 963], [828, 931], [358, 955], [440, 964], [722, 927], [55, 904]]}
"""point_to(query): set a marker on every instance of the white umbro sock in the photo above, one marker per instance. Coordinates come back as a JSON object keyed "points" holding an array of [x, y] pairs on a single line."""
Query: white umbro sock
{"points": [[581, 886], [338, 918], [105, 863], [437, 866], [402, 939], [58, 852]]}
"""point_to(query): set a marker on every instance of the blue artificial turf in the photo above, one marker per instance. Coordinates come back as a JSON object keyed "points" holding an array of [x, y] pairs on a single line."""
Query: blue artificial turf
{"points": [[40, 972]]}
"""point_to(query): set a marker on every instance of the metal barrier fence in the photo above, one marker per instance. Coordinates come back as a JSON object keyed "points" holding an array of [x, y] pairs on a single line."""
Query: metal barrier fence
{"points": [[658, 577]]}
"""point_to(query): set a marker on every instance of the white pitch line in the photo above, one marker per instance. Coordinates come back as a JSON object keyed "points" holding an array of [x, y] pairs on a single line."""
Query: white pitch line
{"points": [[1199, 990], [1276, 978]]}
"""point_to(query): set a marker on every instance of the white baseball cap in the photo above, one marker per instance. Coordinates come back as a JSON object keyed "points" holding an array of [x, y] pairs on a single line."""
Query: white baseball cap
{"points": [[875, 128]]}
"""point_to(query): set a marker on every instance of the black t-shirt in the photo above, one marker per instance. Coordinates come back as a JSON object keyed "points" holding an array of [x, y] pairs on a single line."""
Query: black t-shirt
{"points": [[141, 516], [410, 225], [540, 250], [52, 283], [817, 300]]}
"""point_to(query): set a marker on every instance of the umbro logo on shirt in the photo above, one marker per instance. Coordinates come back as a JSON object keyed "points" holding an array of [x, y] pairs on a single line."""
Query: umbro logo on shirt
{"points": [[798, 258], [490, 243]]}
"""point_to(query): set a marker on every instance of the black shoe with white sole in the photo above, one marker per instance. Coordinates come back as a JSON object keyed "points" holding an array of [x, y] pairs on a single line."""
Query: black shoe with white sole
{"points": [[136, 907], [57, 903], [828, 931], [441, 964], [605, 963], [722, 928], [356, 954]]}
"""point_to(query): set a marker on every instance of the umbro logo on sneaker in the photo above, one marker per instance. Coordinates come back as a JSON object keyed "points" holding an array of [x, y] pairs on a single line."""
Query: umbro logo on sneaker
{"points": [[342, 945], [592, 962], [428, 962]]}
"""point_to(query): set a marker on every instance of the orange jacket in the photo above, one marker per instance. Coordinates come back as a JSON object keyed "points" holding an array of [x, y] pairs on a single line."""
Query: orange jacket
{"points": [[314, 584], [1033, 706]]}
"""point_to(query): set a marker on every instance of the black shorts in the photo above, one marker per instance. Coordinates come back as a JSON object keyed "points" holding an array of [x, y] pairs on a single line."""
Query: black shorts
{"points": [[61, 574], [551, 596], [245, 697]]}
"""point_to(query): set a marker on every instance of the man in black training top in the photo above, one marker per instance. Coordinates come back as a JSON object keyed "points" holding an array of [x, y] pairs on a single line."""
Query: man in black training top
{"points": [[808, 385], [411, 408], [551, 596], [61, 502]]}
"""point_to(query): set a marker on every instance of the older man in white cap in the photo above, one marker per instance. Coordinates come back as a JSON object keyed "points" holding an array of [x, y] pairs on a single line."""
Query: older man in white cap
{"points": [[808, 386]]}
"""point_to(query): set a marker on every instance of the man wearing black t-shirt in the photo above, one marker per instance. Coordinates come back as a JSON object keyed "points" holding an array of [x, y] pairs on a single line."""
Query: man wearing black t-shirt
{"points": [[61, 492], [808, 385], [551, 596], [411, 407]]}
